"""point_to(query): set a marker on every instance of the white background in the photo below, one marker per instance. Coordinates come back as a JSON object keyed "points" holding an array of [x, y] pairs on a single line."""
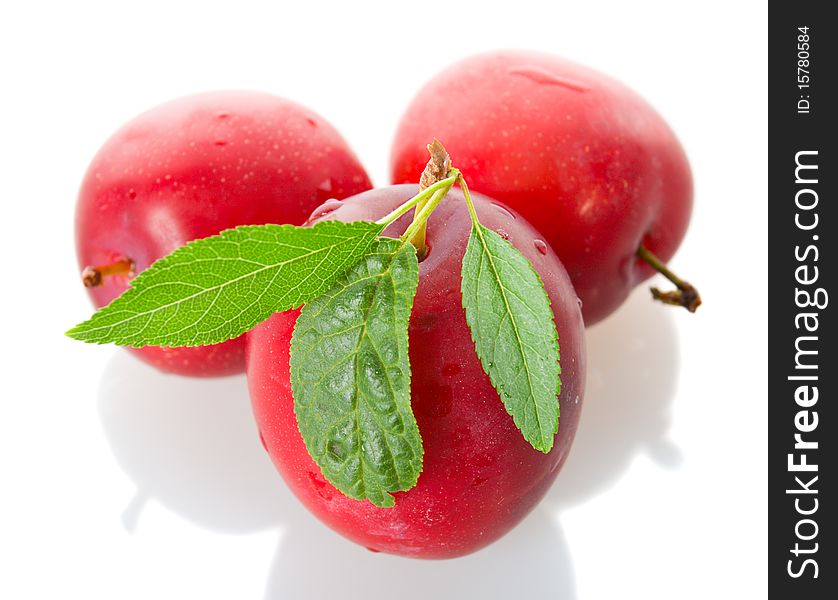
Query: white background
{"points": [[119, 482]]}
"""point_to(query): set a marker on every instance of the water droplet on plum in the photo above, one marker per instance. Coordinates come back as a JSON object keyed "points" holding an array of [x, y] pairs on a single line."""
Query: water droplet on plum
{"points": [[324, 209], [540, 246], [504, 211], [320, 486], [325, 185]]}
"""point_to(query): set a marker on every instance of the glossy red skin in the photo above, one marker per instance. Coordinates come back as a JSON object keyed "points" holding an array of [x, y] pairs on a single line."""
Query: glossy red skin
{"points": [[582, 157], [193, 167], [480, 477]]}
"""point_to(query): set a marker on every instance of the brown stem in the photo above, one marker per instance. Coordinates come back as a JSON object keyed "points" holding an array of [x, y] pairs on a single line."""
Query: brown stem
{"points": [[93, 276], [686, 295], [436, 170]]}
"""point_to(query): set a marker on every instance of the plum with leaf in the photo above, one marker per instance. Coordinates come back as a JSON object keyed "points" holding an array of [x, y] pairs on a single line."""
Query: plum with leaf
{"points": [[417, 382], [479, 475], [191, 168]]}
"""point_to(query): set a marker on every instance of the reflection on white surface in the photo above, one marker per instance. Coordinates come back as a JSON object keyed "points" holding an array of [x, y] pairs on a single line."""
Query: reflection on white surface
{"points": [[633, 364], [313, 563], [191, 445]]}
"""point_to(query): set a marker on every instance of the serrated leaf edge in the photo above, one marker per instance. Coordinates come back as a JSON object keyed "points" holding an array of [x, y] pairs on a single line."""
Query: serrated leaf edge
{"points": [[542, 445], [389, 500], [81, 333]]}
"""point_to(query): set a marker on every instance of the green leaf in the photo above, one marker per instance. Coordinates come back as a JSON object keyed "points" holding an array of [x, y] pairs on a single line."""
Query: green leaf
{"points": [[217, 288], [513, 330], [350, 376]]}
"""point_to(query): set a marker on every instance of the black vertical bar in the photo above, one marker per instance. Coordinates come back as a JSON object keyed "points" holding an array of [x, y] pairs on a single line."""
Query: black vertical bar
{"points": [[802, 561]]}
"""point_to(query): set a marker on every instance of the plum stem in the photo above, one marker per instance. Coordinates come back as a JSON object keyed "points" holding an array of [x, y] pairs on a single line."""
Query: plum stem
{"points": [[93, 276], [467, 195], [685, 295], [420, 220], [437, 169], [420, 197]]}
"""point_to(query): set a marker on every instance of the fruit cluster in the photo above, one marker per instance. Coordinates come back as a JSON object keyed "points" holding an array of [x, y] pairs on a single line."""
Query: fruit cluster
{"points": [[415, 354]]}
